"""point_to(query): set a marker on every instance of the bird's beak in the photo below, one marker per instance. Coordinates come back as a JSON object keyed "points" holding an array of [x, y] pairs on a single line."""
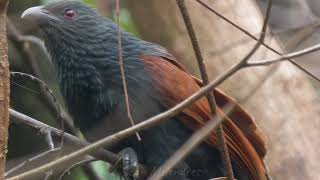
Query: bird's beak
{"points": [[37, 15]]}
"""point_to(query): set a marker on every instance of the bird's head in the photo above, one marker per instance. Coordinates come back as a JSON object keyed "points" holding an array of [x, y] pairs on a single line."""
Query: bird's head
{"points": [[71, 25], [72, 28], [64, 14]]}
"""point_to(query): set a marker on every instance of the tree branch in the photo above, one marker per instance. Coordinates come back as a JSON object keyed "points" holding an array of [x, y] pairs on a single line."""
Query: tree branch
{"points": [[211, 9], [4, 87], [26, 162], [84, 162], [210, 97], [285, 57], [21, 119]]}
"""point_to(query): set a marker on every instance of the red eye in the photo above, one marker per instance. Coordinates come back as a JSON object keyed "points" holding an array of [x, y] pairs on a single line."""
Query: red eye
{"points": [[69, 14]]}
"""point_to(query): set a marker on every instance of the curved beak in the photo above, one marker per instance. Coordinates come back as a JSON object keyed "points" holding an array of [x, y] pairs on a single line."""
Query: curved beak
{"points": [[37, 15]]}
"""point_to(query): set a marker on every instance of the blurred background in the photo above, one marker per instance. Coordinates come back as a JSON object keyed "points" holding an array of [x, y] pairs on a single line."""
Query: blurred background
{"points": [[286, 107]]}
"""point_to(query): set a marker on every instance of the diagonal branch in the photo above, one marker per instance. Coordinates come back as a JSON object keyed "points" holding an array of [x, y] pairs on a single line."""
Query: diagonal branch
{"points": [[19, 118], [29, 160]]}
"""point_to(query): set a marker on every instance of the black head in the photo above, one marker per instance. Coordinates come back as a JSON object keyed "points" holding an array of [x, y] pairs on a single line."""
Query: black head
{"points": [[74, 31], [71, 20], [72, 14]]}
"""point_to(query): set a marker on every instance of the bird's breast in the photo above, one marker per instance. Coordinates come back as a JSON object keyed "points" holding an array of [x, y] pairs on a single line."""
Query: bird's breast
{"points": [[142, 107]]}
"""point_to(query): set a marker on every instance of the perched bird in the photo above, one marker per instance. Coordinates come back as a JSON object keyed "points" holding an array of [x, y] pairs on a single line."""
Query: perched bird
{"points": [[83, 48]]}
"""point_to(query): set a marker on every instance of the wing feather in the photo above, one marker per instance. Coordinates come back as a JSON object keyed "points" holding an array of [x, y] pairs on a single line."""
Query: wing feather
{"points": [[245, 140]]}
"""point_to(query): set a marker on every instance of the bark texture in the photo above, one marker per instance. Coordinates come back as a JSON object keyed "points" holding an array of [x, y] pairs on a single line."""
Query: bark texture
{"points": [[286, 106], [4, 88]]}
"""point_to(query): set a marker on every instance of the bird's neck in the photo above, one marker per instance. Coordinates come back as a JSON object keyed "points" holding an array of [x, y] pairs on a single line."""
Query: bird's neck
{"points": [[91, 83]]}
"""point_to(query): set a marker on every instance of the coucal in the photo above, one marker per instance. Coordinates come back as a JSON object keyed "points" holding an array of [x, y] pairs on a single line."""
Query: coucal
{"points": [[83, 45]]}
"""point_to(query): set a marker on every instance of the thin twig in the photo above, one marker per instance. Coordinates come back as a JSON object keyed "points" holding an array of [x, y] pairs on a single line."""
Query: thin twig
{"points": [[301, 35], [221, 178], [48, 90], [49, 140], [86, 161], [15, 35], [123, 77], [285, 57], [210, 97], [48, 174], [104, 155], [19, 118], [26, 162], [253, 37], [22, 119]]}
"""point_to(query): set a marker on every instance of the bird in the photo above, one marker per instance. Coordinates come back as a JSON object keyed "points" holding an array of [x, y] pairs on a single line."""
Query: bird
{"points": [[83, 48]]}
